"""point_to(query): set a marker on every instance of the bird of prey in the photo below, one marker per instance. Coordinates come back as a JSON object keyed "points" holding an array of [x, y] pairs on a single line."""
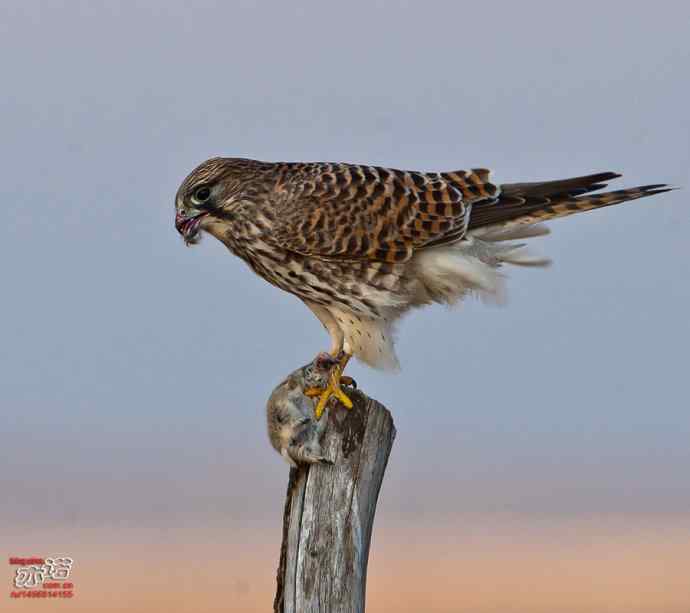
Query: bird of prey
{"points": [[361, 245]]}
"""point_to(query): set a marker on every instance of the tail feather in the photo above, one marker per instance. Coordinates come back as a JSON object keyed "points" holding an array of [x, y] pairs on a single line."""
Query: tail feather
{"points": [[530, 203], [516, 233], [560, 187], [447, 272]]}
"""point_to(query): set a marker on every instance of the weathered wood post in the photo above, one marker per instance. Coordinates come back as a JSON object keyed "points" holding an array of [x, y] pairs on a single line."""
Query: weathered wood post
{"points": [[329, 513]]}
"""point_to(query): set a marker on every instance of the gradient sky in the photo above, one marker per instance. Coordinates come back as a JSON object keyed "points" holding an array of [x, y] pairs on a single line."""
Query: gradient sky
{"points": [[134, 371]]}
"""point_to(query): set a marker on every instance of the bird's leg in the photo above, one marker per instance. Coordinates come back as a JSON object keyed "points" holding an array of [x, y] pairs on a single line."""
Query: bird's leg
{"points": [[335, 380], [343, 359]]}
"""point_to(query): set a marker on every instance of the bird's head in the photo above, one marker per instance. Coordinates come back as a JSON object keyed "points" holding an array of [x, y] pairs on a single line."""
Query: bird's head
{"points": [[210, 193]]}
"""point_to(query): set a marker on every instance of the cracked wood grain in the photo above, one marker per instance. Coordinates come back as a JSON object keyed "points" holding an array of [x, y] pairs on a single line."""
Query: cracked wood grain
{"points": [[329, 514]]}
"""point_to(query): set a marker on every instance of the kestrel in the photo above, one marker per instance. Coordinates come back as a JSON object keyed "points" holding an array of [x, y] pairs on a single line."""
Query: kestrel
{"points": [[361, 245]]}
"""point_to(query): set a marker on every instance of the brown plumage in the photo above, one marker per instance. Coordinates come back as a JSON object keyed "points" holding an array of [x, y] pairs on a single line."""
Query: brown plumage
{"points": [[360, 245]]}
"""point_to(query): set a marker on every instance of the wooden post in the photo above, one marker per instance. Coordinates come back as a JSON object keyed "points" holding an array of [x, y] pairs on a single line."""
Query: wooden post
{"points": [[329, 513]]}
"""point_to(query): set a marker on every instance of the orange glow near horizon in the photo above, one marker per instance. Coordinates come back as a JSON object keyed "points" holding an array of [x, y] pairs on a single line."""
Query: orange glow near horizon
{"points": [[464, 564]]}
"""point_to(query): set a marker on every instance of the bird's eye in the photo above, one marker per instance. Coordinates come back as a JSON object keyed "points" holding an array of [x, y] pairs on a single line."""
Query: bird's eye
{"points": [[201, 194]]}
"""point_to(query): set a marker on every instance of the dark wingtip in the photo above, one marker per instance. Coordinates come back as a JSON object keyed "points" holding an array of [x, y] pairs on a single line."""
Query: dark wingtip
{"points": [[657, 188], [607, 176], [653, 186], [597, 186]]}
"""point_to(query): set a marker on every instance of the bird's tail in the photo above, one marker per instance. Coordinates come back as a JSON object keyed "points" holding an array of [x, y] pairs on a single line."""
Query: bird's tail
{"points": [[521, 204]]}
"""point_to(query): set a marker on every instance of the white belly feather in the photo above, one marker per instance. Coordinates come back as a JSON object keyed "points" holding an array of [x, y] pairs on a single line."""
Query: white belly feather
{"points": [[443, 274]]}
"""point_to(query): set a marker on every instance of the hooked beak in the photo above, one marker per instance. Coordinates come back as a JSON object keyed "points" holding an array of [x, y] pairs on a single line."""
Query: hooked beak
{"points": [[188, 226]]}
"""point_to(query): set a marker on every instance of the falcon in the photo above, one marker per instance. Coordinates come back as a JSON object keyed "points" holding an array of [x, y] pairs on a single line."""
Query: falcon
{"points": [[362, 245]]}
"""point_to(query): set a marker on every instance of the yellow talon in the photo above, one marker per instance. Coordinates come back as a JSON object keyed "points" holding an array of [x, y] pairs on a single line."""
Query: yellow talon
{"points": [[332, 389]]}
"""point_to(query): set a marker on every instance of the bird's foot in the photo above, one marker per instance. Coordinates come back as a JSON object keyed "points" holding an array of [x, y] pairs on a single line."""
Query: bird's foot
{"points": [[333, 388]]}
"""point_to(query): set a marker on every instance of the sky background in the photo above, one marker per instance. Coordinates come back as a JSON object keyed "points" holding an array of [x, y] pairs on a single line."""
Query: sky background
{"points": [[542, 457]]}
